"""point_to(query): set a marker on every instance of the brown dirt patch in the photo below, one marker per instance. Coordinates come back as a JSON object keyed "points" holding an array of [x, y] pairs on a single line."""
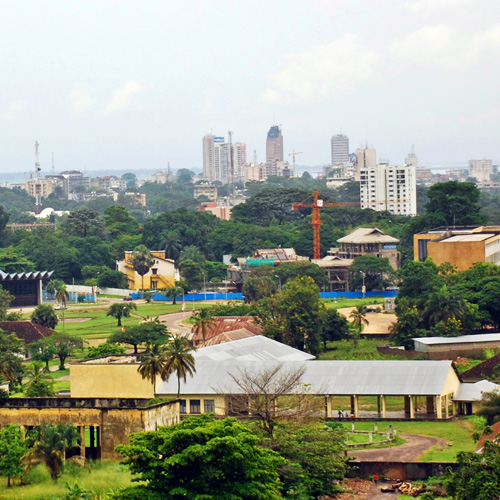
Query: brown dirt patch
{"points": [[76, 320], [379, 323]]}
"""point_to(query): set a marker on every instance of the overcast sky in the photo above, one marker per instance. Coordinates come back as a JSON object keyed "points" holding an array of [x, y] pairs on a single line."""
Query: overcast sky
{"points": [[136, 84]]}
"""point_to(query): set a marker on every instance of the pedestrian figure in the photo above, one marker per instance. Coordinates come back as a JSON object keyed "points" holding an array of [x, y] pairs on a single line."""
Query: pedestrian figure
{"points": [[340, 414], [375, 479]]}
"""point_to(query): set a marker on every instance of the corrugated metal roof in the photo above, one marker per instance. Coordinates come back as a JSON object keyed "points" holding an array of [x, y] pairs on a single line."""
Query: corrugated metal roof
{"points": [[474, 392], [256, 348], [368, 235], [467, 237], [463, 339], [362, 378]]}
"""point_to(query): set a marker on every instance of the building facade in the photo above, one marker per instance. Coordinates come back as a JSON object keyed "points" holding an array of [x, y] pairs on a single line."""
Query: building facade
{"points": [[340, 149], [222, 161], [274, 150], [389, 188]]}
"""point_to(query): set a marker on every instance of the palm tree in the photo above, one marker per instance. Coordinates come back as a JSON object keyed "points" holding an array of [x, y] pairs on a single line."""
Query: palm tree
{"points": [[444, 304], [152, 364], [358, 316], [51, 445], [173, 292], [178, 359], [62, 296], [193, 253], [142, 260], [40, 383], [202, 321], [120, 311], [171, 244]]}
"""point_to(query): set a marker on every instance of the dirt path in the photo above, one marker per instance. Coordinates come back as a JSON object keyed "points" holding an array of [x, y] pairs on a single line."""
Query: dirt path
{"points": [[361, 489], [174, 322], [414, 447], [379, 322]]}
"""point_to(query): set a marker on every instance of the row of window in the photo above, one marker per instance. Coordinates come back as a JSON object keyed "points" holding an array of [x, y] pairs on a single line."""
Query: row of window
{"points": [[195, 406]]}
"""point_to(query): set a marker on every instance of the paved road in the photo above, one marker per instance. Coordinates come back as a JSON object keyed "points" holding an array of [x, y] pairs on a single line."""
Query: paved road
{"points": [[174, 322], [414, 447]]}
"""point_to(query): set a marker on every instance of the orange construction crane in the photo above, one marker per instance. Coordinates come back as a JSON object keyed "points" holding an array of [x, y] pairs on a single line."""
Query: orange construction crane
{"points": [[316, 205]]}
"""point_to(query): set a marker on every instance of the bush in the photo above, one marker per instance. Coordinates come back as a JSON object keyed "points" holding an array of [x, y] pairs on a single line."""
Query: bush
{"points": [[103, 350], [45, 315]]}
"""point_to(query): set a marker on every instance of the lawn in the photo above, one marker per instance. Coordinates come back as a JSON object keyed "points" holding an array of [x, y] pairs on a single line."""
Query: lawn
{"points": [[366, 349], [454, 435], [104, 477], [341, 302]]}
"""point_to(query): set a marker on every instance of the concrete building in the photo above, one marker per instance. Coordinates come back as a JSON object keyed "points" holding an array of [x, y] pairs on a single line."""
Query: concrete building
{"points": [[205, 189], [368, 241], [481, 170], [253, 172], [41, 187], [365, 158], [26, 288], [221, 211], [218, 158], [162, 274], [337, 270], [340, 149], [74, 180], [412, 160], [274, 150], [461, 246], [389, 188]]}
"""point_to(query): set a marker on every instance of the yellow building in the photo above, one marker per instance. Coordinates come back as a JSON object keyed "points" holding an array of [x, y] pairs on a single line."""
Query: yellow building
{"points": [[461, 246], [162, 273]]}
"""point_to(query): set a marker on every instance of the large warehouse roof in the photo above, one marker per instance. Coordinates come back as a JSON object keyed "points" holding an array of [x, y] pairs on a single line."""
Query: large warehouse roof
{"points": [[463, 339]]}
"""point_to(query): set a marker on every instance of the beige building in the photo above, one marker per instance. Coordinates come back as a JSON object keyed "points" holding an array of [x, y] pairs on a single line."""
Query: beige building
{"points": [[162, 273], [461, 246], [41, 187], [368, 241], [205, 189]]}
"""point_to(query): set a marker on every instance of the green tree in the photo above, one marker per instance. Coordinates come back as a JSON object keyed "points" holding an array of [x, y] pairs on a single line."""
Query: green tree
{"points": [[111, 279], [192, 253], [120, 311], [152, 364], [490, 407], [11, 356], [477, 476], [40, 384], [259, 285], [444, 304], [202, 321], [12, 449], [63, 346], [173, 293], [378, 273], [5, 300], [142, 260], [359, 319], [148, 333], [419, 279], [50, 445], [203, 458], [42, 351], [45, 315], [291, 270], [171, 243], [14, 261], [103, 350], [62, 295], [335, 326], [409, 324], [85, 222], [179, 360], [184, 176]]}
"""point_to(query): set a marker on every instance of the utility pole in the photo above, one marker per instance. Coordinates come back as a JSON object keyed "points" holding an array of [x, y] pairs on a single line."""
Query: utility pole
{"points": [[38, 187]]}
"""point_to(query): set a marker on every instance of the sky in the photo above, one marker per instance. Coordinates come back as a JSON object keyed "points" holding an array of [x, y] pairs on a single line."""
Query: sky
{"points": [[122, 84]]}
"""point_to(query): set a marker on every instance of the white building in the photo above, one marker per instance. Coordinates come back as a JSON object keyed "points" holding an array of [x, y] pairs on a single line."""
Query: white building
{"points": [[340, 149], [384, 187], [481, 170], [217, 159]]}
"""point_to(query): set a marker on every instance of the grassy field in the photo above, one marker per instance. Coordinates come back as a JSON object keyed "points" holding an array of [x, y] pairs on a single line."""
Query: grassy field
{"points": [[341, 302], [366, 349], [105, 476], [454, 435]]}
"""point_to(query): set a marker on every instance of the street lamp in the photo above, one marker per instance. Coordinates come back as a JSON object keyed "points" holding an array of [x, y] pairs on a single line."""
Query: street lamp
{"points": [[204, 286], [363, 288], [279, 278]]}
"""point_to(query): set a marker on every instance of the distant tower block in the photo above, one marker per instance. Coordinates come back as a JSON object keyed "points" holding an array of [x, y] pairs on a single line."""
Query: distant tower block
{"points": [[340, 149], [274, 150]]}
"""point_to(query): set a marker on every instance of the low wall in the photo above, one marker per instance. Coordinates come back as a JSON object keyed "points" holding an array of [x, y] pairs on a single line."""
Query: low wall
{"points": [[394, 351], [400, 470]]}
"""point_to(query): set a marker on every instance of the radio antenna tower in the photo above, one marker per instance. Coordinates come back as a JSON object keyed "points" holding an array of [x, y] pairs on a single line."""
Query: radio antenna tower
{"points": [[38, 186]]}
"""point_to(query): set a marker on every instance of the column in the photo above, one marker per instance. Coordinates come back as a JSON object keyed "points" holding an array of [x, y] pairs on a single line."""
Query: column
{"points": [[446, 404], [407, 404], [412, 406], [82, 437], [439, 407], [378, 404], [352, 404], [384, 407], [356, 407], [328, 406]]}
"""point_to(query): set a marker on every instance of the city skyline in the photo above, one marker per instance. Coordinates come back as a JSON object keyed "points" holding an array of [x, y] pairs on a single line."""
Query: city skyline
{"points": [[136, 85]]}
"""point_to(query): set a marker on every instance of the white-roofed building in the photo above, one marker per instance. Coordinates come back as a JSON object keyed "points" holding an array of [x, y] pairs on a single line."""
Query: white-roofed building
{"points": [[451, 347], [468, 396]]}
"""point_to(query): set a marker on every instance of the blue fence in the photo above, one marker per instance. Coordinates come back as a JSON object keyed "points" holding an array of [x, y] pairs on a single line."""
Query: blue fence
{"points": [[199, 297]]}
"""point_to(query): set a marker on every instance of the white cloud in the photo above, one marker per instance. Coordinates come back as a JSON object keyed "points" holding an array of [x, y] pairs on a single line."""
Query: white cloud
{"points": [[80, 100], [447, 47], [432, 5], [323, 71], [122, 97], [14, 110]]}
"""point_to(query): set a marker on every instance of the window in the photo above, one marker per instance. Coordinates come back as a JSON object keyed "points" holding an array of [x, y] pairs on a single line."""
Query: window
{"points": [[154, 284], [183, 406], [154, 270], [194, 406], [209, 405]]}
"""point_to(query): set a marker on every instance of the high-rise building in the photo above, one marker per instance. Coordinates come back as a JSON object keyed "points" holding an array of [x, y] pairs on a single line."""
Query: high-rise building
{"points": [[274, 150], [340, 149], [384, 187], [364, 158], [481, 170], [412, 159], [217, 160]]}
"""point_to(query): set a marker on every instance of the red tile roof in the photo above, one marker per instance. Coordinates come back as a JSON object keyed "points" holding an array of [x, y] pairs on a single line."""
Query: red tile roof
{"points": [[26, 330], [224, 325]]}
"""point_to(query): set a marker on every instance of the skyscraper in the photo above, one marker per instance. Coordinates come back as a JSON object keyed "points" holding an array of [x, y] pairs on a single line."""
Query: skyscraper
{"points": [[340, 149], [217, 162], [383, 187], [274, 150]]}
